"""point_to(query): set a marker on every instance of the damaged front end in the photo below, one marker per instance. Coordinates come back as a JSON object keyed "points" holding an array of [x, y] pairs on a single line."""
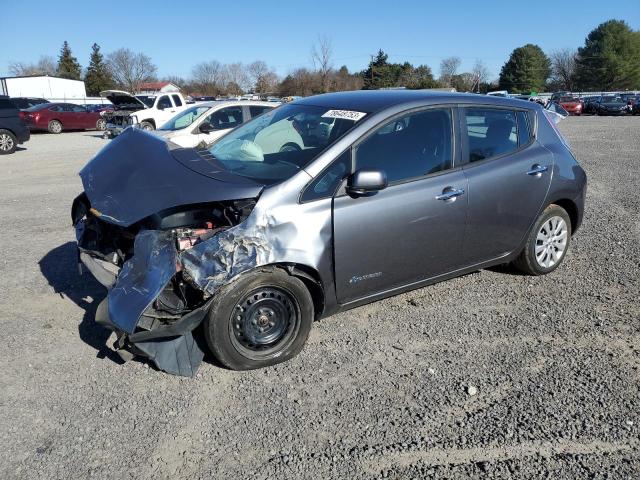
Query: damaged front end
{"points": [[156, 277], [145, 222]]}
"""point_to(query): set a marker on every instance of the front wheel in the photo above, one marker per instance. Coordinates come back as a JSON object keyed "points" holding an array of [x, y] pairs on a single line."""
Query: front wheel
{"points": [[262, 319], [547, 243], [8, 142], [148, 126]]}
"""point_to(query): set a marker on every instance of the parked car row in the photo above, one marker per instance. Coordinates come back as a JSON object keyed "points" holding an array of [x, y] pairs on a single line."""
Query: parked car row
{"points": [[611, 104]]}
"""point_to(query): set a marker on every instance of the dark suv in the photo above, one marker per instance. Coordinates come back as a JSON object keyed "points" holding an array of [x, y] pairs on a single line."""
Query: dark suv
{"points": [[12, 130]]}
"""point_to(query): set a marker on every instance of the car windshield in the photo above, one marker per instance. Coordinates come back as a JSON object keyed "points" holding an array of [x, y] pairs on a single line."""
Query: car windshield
{"points": [[147, 99], [611, 100], [185, 118], [277, 144]]}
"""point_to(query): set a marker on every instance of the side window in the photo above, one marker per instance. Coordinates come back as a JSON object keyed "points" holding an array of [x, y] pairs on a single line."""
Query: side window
{"points": [[176, 100], [67, 107], [255, 110], [164, 102], [524, 128], [490, 132], [411, 146], [78, 109], [328, 181], [56, 108], [224, 118]]}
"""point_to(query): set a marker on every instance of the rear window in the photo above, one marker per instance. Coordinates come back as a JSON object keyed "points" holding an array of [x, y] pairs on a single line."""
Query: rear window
{"points": [[176, 100], [256, 110]]}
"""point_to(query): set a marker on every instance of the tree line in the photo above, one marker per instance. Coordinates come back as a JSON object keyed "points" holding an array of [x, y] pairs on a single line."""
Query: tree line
{"points": [[609, 60]]}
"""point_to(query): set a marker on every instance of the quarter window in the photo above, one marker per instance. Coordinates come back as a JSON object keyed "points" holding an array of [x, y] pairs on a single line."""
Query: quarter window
{"points": [[524, 128], [490, 132], [326, 184], [412, 146]]}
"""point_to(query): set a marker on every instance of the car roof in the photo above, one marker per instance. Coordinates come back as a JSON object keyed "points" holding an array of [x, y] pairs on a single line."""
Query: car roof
{"points": [[231, 103], [372, 101]]}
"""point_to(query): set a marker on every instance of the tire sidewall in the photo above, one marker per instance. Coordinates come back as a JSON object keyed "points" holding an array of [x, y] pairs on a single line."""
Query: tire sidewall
{"points": [[217, 322], [550, 211], [148, 126]]}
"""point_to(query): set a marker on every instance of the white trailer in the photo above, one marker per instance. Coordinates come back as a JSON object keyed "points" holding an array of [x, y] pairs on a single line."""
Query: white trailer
{"points": [[54, 89]]}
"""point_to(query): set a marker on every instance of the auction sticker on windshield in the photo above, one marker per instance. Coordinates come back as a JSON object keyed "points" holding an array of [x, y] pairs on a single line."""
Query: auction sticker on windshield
{"points": [[344, 114]]}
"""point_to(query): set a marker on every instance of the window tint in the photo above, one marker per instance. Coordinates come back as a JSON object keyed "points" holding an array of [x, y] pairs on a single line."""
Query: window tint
{"points": [[490, 132], [164, 102], [412, 146], [56, 108], [6, 103], [224, 118], [78, 108], [176, 100], [327, 182], [255, 110], [524, 128]]}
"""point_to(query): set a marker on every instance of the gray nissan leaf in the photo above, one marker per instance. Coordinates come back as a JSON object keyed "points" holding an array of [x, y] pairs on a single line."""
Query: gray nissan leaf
{"points": [[318, 206]]}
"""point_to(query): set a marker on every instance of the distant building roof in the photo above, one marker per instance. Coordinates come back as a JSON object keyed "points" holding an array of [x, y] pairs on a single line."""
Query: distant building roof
{"points": [[156, 85]]}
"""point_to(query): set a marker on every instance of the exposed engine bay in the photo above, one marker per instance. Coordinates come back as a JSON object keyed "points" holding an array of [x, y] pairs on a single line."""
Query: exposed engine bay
{"points": [[107, 251]]}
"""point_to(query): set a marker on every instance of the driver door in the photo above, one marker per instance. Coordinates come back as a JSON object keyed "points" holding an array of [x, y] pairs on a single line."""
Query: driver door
{"points": [[413, 229], [222, 121]]}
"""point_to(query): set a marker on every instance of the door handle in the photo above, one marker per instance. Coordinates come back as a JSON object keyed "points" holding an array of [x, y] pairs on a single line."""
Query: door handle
{"points": [[450, 194], [537, 170]]}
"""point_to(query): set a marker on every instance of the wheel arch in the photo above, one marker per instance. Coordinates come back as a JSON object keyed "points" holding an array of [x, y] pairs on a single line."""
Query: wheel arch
{"points": [[149, 120], [572, 210]]}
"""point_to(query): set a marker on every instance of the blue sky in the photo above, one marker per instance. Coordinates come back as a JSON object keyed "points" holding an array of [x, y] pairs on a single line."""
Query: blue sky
{"points": [[178, 35]]}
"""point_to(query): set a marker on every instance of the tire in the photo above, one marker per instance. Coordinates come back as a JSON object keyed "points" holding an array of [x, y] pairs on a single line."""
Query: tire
{"points": [[8, 142], [55, 126], [101, 124], [148, 126], [547, 242], [268, 299]]}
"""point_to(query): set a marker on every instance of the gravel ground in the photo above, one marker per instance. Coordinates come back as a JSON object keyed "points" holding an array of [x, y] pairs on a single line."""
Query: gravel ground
{"points": [[490, 375]]}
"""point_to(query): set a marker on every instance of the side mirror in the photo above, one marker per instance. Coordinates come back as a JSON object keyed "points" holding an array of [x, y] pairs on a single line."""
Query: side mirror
{"points": [[364, 182], [206, 127]]}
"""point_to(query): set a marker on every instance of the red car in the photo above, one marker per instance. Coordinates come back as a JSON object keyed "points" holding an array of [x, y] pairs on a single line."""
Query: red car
{"points": [[55, 117], [573, 105]]}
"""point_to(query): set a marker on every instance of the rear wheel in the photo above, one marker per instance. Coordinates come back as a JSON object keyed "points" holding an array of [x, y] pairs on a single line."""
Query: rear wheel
{"points": [[8, 142], [261, 319], [55, 126], [148, 126], [101, 124], [547, 243]]}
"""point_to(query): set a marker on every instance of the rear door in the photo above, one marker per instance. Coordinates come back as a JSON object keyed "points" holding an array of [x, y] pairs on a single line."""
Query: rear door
{"points": [[82, 117], [508, 173], [413, 229]]}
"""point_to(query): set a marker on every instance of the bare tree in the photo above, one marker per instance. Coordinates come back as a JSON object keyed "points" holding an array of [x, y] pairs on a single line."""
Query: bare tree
{"points": [[46, 65], [130, 69], [563, 68], [321, 56], [448, 70], [210, 77], [263, 78], [480, 73], [237, 78]]}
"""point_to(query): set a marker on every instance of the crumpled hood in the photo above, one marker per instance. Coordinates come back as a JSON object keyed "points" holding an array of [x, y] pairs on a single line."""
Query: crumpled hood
{"points": [[139, 174]]}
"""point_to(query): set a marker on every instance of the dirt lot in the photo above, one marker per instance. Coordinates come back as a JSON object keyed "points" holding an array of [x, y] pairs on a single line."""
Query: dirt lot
{"points": [[385, 390]]}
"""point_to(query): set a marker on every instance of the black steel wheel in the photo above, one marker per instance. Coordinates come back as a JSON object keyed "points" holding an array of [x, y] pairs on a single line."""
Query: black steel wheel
{"points": [[261, 319]]}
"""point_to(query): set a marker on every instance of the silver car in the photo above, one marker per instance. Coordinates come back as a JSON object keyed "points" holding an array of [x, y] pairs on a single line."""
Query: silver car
{"points": [[248, 242]]}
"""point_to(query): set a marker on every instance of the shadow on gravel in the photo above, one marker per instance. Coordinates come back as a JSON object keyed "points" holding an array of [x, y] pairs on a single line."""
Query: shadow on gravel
{"points": [[59, 267]]}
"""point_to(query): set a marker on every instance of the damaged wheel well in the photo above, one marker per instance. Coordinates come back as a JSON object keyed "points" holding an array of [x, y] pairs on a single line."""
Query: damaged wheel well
{"points": [[309, 277]]}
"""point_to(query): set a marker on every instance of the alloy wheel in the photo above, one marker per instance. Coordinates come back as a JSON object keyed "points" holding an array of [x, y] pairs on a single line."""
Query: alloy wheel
{"points": [[551, 242], [6, 142]]}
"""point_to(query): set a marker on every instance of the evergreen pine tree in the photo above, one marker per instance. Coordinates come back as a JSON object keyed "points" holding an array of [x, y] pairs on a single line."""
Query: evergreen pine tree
{"points": [[68, 66], [98, 76]]}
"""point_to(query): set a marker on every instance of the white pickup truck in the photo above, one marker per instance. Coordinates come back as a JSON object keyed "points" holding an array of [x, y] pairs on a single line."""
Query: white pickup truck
{"points": [[147, 111]]}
